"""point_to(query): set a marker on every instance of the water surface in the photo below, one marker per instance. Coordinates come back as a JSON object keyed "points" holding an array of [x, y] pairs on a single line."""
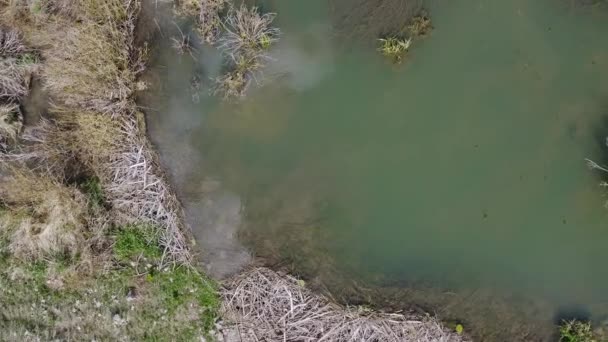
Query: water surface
{"points": [[455, 182]]}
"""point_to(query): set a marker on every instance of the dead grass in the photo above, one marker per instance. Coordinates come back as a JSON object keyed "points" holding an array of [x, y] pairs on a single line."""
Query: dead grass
{"points": [[11, 43], [136, 186], [272, 307], [90, 71], [17, 63], [51, 217], [15, 70], [11, 123], [13, 81]]}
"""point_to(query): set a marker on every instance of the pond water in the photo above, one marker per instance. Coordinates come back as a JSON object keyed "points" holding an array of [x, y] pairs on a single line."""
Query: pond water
{"points": [[455, 182]]}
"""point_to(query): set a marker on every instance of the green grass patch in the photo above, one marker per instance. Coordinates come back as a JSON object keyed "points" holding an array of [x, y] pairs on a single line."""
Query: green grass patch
{"points": [[52, 300], [92, 188], [183, 286], [136, 241]]}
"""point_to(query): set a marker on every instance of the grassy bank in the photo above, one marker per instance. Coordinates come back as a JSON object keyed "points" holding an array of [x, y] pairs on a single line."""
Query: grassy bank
{"points": [[127, 296], [92, 241]]}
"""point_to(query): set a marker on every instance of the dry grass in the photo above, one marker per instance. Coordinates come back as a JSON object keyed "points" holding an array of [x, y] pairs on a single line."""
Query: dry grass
{"points": [[17, 63], [90, 61], [13, 81], [90, 71], [51, 217], [11, 123], [11, 43], [45, 148], [136, 186], [271, 307]]}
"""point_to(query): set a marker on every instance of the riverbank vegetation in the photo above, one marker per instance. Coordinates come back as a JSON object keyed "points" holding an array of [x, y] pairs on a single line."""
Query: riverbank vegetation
{"points": [[87, 221]]}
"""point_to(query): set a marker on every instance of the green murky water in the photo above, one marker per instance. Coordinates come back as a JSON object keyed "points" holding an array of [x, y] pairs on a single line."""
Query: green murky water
{"points": [[456, 181]]}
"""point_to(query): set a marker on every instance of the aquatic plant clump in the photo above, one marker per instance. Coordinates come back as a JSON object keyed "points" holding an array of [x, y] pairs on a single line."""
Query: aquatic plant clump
{"points": [[394, 48], [246, 41], [272, 307], [248, 33], [235, 82], [420, 26]]}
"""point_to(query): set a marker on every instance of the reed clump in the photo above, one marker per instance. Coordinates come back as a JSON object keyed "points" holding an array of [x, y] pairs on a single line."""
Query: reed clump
{"points": [[396, 47], [248, 35]]}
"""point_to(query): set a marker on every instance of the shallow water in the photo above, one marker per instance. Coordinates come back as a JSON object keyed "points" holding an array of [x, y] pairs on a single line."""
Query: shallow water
{"points": [[456, 181]]}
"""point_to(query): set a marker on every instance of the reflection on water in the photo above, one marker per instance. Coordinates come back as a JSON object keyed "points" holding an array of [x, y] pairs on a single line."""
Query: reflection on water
{"points": [[454, 183]]}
